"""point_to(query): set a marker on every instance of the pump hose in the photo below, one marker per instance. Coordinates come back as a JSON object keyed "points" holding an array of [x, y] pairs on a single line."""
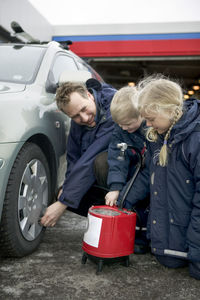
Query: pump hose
{"points": [[138, 167]]}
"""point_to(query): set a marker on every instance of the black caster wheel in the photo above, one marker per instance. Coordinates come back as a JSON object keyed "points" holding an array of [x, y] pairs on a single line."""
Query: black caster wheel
{"points": [[99, 267], [127, 262], [84, 259]]}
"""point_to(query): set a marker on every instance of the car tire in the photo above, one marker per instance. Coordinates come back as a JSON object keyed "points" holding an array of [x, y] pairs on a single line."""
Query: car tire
{"points": [[27, 196]]}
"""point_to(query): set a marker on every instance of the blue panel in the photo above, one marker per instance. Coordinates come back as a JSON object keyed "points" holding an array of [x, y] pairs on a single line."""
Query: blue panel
{"points": [[128, 37]]}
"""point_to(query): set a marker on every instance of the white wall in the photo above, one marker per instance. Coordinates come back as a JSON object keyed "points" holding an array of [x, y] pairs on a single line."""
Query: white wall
{"points": [[27, 16], [134, 28], [90, 12]]}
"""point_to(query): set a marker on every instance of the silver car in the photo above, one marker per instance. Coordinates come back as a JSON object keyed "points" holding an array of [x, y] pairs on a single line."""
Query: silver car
{"points": [[33, 135]]}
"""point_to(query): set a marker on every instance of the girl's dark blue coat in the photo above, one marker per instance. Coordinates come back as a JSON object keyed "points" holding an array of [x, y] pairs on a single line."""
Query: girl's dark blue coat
{"points": [[174, 219], [84, 144]]}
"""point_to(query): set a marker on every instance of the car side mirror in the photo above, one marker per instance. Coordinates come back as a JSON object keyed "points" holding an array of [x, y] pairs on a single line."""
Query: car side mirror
{"points": [[75, 76]]}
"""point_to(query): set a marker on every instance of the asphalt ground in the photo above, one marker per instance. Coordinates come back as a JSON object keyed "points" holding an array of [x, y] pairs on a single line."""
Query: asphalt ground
{"points": [[55, 271]]}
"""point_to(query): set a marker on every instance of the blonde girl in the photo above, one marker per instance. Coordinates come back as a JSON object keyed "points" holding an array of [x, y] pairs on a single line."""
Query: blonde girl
{"points": [[173, 173]]}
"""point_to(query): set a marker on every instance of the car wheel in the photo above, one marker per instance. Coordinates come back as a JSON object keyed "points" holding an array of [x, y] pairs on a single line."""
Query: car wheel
{"points": [[27, 196]]}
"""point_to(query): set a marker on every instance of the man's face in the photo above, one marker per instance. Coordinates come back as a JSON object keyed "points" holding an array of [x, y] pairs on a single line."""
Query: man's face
{"points": [[81, 110], [131, 125]]}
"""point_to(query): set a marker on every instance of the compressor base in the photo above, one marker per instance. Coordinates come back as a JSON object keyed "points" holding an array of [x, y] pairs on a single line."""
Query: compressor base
{"points": [[100, 261]]}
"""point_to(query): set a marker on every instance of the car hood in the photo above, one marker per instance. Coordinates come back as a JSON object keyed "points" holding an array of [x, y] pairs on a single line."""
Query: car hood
{"points": [[7, 87]]}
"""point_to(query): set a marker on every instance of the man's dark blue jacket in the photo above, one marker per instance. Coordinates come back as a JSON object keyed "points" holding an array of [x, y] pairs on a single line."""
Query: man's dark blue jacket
{"points": [[119, 170], [84, 144], [174, 218]]}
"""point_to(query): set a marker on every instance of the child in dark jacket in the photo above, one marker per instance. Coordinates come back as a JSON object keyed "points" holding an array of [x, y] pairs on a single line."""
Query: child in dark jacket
{"points": [[129, 129], [173, 174]]}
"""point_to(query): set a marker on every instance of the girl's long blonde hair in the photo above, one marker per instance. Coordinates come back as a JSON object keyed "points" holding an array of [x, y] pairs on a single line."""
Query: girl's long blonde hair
{"points": [[158, 94]]}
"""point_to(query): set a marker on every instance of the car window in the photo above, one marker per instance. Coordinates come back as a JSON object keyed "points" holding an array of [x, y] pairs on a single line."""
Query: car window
{"points": [[62, 63], [19, 63]]}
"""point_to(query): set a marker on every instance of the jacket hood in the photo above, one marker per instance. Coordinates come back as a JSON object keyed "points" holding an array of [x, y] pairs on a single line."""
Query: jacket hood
{"points": [[103, 94], [189, 120]]}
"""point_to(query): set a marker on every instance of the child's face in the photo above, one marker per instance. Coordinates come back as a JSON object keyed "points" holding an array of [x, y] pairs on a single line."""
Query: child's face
{"points": [[159, 121], [131, 125]]}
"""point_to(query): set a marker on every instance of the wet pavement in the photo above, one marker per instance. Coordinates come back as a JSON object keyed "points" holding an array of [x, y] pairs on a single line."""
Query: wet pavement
{"points": [[55, 271]]}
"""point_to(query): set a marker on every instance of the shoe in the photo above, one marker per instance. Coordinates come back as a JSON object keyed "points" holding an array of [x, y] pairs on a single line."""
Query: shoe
{"points": [[194, 270], [141, 249]]}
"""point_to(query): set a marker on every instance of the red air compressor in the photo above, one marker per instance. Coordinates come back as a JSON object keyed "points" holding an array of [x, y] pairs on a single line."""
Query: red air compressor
{"points": [[110, 234], [111, 230]]}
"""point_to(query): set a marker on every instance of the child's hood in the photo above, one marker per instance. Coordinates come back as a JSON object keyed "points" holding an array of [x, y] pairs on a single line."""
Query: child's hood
{"points": [[188, 122]]}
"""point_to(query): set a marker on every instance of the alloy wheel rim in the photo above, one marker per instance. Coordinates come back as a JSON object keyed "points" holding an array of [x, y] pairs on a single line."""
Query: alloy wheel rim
{"points": [[32, 199]]}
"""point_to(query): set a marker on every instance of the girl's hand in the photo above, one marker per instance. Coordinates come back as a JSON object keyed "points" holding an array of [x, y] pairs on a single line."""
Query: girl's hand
{"points": [[111, 198]]}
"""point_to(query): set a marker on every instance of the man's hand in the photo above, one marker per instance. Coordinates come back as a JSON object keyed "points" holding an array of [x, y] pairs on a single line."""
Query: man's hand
{"points": [[111, 198], [52, 214]]}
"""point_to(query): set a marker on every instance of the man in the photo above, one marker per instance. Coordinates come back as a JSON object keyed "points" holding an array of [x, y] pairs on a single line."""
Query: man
{"points": [[88, 106]]}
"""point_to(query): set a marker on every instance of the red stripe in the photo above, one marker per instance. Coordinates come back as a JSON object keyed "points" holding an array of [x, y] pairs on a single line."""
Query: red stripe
{"points": [[137, 48], [142, 151]]}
